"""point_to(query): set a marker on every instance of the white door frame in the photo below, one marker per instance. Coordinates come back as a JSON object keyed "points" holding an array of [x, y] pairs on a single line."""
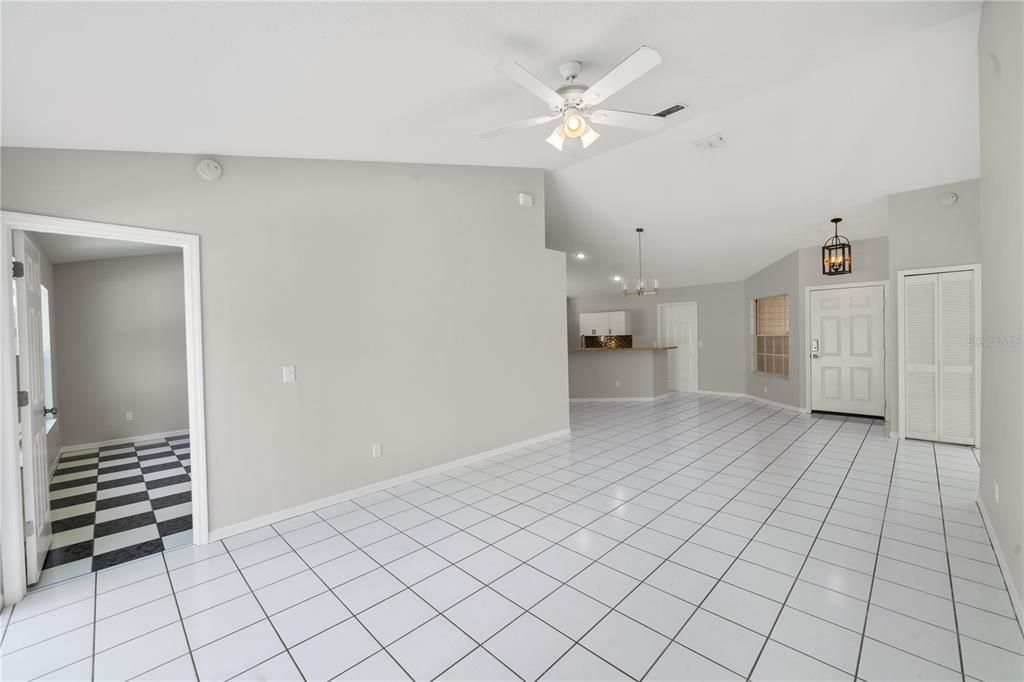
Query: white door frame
{"points": [[900, 378], [808, 381], [696, 350], [12, 540]]}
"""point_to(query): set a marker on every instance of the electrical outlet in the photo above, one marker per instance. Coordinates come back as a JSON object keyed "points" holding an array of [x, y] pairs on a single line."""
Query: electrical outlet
{"points": [[765, 389], [995, 489], [618, 383], [375, 451], [288, 374], [129, 415]]}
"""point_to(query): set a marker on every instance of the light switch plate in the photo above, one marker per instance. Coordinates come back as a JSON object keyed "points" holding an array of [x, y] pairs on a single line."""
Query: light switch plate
{"points": [[288, 374]]}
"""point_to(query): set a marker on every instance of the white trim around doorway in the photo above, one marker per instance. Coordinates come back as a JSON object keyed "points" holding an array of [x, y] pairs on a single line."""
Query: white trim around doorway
{"points": [[807, 334], [12, 540]]}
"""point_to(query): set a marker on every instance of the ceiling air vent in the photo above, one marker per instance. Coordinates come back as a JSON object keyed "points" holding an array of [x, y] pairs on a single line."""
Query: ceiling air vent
{"points": [[675, 108]]}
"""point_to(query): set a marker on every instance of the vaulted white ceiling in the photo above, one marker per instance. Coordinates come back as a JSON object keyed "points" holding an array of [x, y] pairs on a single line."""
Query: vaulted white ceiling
{"points": [[827, 107]]}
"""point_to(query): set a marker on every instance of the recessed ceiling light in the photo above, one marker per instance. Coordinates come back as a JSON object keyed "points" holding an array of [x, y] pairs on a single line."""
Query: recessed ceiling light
{"points": [[580, 256], [617, 278]]}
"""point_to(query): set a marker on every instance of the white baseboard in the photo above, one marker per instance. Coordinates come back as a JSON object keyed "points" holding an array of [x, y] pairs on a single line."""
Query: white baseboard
{"points": [[765, 401], [1004, 567], [619, 400], [115, 441], [274, 517]]}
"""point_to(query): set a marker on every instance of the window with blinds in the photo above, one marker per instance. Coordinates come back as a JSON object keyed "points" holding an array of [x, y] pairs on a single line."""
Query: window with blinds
{"points": [[771, 343]]}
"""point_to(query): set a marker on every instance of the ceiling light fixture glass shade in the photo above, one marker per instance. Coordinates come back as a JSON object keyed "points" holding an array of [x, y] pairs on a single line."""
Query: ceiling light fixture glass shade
{"points": [[837, 253], [573, 123], [589, 137], [557, 138], [641, 288]]}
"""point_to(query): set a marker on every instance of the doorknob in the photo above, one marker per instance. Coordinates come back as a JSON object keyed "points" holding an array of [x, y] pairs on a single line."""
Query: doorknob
{"points": [[815, 356]]}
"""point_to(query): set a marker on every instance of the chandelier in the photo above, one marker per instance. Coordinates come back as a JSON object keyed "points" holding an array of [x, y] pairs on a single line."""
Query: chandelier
{"points": [[640, 289], [837, 254]]}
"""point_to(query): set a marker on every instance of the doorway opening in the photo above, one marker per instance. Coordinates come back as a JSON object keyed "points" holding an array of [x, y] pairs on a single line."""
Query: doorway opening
{"points": [[677, 326], [105, 460]]}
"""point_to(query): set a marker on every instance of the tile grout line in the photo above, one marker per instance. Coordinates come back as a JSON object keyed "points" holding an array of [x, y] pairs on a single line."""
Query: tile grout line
{"points": [[736, 558], [631, 456], [181, 619], [874, 571], [807, 555], [619, 543], [265, 615], [380, 519], [95, 607], [949, 566], [352, 613], [702, 526], [592, 560]]}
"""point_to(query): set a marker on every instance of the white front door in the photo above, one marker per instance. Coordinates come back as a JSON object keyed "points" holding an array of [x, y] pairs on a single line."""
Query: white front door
{"points": [[677, 326], [846, 345], [34, 473]]}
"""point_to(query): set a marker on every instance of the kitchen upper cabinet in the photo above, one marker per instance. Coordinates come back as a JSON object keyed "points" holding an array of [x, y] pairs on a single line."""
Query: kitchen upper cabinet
{"points": [[616, 323]]}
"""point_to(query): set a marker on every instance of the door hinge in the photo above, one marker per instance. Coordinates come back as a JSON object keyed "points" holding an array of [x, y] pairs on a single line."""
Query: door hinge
{"points": [[22, 398], [18, 269], [30, 529]]}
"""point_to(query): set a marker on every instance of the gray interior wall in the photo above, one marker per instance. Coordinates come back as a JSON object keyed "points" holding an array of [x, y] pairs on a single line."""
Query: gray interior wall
{"points": [[1001, 52], [781, 277], [640, 374], [924, 234], [720, 321], [121, 333], [387, 286], [53, 438]]}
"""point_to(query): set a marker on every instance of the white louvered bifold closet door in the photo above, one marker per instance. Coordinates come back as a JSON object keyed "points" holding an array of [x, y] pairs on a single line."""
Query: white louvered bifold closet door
{"points": [[956, 357], [939, 356], [920, 326]]}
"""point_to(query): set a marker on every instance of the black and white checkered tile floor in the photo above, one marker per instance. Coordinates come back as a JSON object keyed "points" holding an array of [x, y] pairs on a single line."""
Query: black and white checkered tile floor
{"points": [[691, 538], [117, 503]]}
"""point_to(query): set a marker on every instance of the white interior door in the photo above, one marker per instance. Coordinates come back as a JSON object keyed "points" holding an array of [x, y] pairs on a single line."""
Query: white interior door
{"points": [[677, 326], [939, 360], [34, 478], [846, 345]]}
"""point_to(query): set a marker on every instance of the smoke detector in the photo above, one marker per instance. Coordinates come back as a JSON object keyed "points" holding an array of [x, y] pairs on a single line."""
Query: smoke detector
{"points": [[209, 170], [710, 142]]}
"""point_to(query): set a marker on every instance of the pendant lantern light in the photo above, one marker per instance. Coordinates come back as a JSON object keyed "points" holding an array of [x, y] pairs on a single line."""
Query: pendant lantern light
{"points": [[837, 254]]}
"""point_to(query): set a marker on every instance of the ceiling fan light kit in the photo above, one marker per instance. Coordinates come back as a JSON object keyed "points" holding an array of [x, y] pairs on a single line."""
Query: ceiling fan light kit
{"points": [[574, 104]]}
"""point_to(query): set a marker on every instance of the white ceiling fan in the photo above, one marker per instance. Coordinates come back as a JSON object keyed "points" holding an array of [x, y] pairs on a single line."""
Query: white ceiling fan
{"points": [[574, 103]]}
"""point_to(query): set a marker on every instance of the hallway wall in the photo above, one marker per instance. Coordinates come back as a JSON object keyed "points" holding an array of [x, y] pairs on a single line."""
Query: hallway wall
{"points": [[120, 331]]}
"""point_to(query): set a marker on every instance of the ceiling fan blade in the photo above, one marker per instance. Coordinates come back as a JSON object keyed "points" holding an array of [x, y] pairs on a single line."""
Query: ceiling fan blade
{"points": [[527, 80], [627, 119], [525, 123], [628, 70]]}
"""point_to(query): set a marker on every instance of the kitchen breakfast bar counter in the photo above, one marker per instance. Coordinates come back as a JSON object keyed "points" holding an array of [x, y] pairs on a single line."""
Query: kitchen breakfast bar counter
{"points": [[638, 373]]}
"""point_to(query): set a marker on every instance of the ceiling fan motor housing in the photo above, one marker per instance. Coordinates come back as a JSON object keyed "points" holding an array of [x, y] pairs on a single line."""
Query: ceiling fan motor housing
{"points": [[572, 97]]}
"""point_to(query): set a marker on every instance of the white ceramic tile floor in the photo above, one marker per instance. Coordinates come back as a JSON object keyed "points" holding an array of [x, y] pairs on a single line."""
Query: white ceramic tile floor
{"points": [[695, 537]]}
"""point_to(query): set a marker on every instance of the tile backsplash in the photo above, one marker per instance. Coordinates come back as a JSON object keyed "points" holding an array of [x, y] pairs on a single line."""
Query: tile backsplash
{"points": [[623, 341]]}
